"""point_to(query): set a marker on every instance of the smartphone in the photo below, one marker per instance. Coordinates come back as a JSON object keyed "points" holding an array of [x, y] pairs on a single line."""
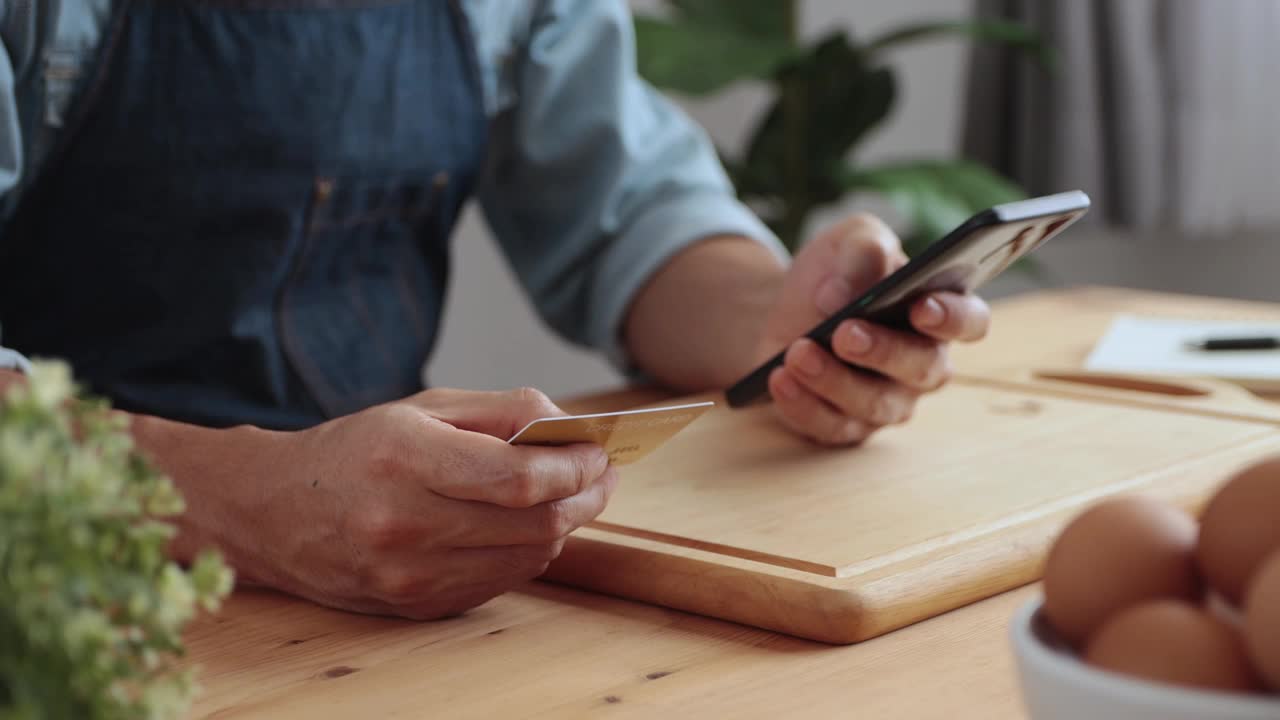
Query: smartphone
{"points": [[962, 261]]}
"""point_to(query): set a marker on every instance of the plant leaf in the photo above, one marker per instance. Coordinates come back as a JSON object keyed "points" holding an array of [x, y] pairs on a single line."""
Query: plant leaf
{"points": [[934, 196], [769, 20], [827, 102], [1000, 31], [699, 59]]}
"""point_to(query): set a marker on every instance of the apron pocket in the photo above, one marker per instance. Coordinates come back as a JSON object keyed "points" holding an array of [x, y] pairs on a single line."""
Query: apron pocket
{"points": [[363, 298]]}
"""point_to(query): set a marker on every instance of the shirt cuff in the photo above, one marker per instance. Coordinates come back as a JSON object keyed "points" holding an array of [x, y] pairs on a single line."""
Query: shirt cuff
{"points": [[11, 360], [648, 243]]}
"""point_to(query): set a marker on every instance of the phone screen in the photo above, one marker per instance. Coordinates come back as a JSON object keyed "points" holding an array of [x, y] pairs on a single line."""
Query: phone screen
{"points": [[964, 266]]}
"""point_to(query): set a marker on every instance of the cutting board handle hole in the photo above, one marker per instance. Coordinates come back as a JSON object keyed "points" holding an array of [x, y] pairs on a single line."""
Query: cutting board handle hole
{"points": [[1123, 382]]}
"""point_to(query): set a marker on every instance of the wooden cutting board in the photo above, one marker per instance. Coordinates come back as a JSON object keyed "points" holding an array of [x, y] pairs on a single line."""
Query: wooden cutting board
{"points": [[737, 519]]}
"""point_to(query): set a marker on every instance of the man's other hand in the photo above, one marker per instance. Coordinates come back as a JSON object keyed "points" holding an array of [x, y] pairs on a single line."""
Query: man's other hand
{"points": [[815, 393]]}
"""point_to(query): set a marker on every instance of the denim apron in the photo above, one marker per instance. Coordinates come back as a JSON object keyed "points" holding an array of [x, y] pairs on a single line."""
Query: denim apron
{"points": [[247, 218]]}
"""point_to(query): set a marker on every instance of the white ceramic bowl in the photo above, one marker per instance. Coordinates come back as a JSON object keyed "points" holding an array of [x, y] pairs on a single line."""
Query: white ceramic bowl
{"points": [[1056, 685]]}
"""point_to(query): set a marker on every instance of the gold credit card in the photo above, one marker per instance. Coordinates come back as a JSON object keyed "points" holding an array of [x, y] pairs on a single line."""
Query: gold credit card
{"points": [[627, 435]]}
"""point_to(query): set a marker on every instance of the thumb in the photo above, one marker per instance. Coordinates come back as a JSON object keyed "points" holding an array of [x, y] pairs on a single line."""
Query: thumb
{"points": [[500, 414], [849, 258], [831, 270]]}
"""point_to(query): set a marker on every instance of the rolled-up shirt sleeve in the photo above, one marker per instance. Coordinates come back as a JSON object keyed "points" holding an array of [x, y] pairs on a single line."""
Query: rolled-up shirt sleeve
{"points": [[593, 179], [12, 360]]}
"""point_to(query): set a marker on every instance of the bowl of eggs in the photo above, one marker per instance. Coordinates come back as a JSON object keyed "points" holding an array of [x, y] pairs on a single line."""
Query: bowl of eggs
{"points": [[1148, 613]]}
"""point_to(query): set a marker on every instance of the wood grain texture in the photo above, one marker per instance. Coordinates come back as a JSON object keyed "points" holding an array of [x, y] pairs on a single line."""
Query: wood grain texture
{"points": [[550, 651], [546, 651]]}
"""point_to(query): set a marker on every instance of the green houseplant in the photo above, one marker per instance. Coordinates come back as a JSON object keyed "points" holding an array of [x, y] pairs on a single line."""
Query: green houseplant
{"points": [[91, 610], [828, 96]]}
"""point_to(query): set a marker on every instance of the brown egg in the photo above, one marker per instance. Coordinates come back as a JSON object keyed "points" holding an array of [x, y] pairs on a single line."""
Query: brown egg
{"points": [[1240, 527], [1173, 642], [1117, 554], [1262, 620]]}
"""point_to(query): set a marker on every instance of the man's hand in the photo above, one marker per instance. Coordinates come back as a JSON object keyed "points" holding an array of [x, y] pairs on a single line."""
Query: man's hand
{"points": [[416, 508], [721, 307], [814, 392]]}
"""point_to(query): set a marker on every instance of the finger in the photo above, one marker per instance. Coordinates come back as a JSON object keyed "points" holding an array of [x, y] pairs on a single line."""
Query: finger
{"points": [[478, 467], [508, 562], [874, 400], [500, 414], [457, 580], [952, 316], [864, 230], [856, 254], [915, 361], [806, 414], [838, 263], [478, 524]]}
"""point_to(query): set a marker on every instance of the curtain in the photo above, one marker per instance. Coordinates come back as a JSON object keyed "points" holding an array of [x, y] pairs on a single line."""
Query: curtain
{"points": [[1167, 112]]}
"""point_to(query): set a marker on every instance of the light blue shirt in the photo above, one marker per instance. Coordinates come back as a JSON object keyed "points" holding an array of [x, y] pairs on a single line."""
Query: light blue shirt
{"points": [[593, 179]]}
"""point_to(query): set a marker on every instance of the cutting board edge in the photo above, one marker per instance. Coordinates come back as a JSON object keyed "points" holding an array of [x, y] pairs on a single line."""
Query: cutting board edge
{"points": [[848, 610], [835, 611], [797, 603]]}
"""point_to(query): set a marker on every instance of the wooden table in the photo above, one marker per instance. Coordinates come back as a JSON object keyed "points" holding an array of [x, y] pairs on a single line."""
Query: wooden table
{"points": [[550, 652]]}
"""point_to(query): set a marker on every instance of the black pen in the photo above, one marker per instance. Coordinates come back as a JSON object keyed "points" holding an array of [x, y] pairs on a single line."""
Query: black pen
{"points": [[1244, 342]]}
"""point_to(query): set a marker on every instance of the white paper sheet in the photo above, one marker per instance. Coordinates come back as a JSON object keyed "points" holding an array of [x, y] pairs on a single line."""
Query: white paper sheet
{"points": [[1158, 346]]}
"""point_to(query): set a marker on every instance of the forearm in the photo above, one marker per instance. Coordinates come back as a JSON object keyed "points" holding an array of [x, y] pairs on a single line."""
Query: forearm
{"points": [[9, 378], [223, 477], [696, 324], [219, 473]]}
